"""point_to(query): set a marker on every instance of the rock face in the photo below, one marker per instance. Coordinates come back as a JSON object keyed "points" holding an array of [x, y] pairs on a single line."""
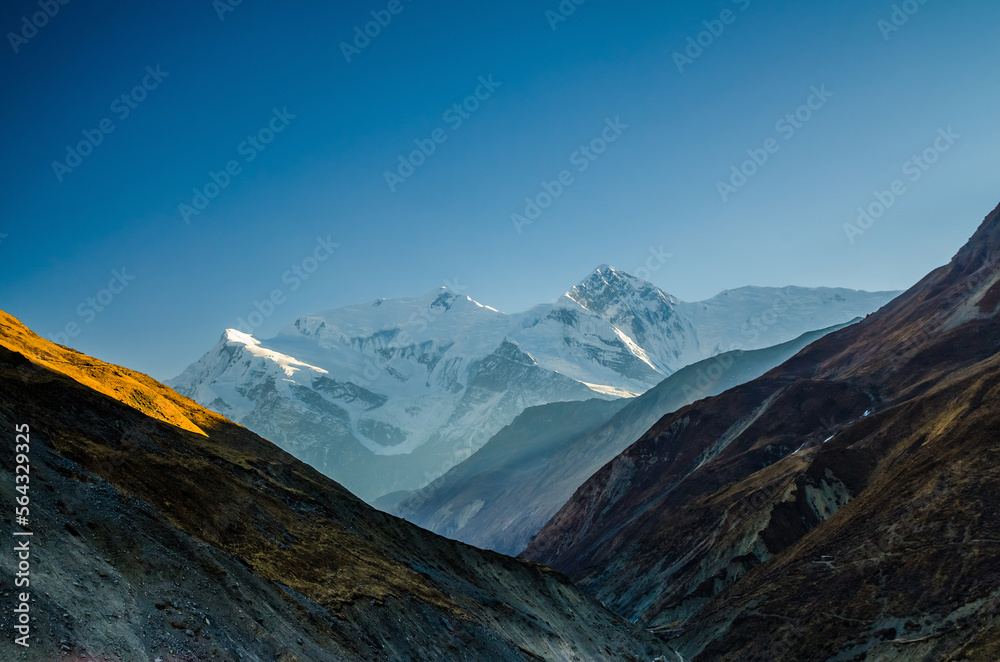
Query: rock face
{"points": [[501, 496], [164, 531], [841, 507], [388, 396]]}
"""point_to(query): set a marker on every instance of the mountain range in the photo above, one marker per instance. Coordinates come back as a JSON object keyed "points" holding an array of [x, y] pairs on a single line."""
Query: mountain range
{"points": [[389, 395], [841, 506]]}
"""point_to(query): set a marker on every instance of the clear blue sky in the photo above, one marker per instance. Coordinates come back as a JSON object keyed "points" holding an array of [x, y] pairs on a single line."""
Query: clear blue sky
{"points": [[323, 174]]}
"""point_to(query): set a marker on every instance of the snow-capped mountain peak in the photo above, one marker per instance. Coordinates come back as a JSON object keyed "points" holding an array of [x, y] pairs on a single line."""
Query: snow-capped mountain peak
{"points": [[642, 313], [389, 394]]}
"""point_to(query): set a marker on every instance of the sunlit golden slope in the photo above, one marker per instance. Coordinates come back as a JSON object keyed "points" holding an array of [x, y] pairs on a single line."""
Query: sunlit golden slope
{"points": [[132, 388]]}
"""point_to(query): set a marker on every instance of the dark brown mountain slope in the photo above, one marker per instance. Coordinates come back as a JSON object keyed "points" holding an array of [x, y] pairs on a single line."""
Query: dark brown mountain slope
{"points": [[842, 507], [162, 530]]}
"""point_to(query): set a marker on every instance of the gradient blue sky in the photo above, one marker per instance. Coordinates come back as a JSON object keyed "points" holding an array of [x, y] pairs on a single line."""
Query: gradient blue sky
{"points": [[451, 221]]}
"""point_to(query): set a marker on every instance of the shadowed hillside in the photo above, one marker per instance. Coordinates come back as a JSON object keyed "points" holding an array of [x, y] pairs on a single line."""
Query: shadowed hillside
{"points": [[841, 507]]}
